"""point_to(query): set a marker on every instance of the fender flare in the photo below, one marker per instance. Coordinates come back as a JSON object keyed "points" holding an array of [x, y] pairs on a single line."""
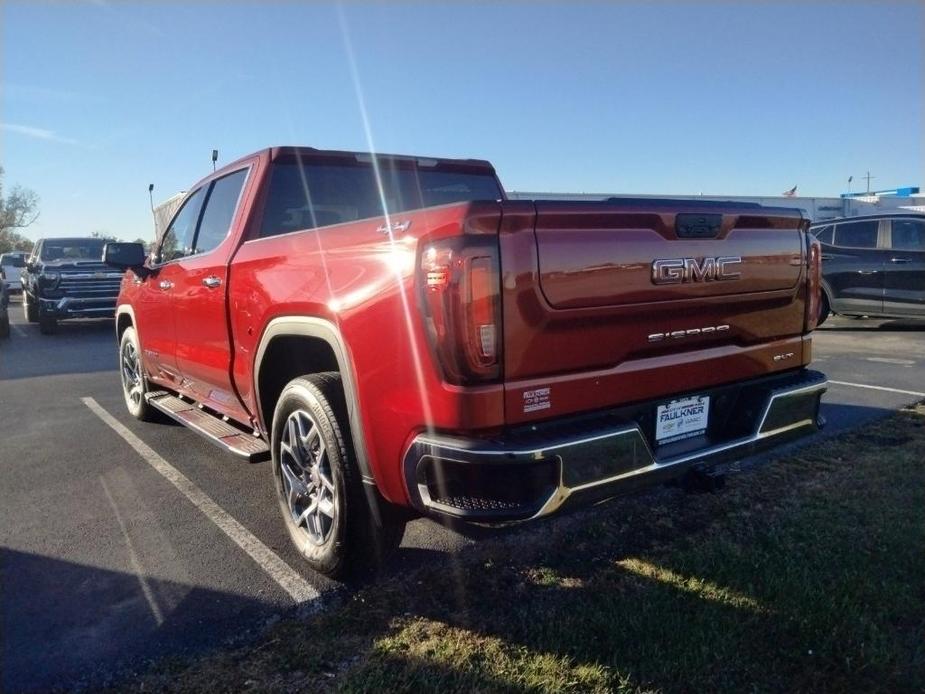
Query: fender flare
{"points": [[127, 310], [318, 328]]}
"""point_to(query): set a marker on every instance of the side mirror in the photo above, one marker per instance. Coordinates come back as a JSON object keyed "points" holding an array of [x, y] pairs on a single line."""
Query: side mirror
{"points": [[30, 266], [125, 256]]}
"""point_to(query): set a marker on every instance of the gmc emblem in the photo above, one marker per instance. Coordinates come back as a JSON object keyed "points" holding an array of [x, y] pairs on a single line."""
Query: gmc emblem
{"points": [[679, 270]]}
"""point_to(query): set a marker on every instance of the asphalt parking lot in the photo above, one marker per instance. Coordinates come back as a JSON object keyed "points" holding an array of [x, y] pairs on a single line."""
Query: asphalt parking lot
{"points": [[108, 562]]}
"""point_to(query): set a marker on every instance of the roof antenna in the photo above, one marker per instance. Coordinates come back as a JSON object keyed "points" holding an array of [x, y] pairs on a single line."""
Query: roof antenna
{"points": [[214, 158], [151, 195]]}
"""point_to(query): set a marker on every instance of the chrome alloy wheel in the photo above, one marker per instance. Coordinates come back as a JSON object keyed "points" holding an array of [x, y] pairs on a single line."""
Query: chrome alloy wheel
{"points": [[305, 472], [132, 383]]}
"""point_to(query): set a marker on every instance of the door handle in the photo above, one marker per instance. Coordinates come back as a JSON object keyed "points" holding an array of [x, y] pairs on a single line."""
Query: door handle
{"points": [[868, 272], [826, 256], [212, 282], [165, 284], [900, 260]]}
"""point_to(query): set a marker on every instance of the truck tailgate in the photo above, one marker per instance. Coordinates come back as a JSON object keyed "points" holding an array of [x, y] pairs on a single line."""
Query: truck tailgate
{"points": [[612, 302]]}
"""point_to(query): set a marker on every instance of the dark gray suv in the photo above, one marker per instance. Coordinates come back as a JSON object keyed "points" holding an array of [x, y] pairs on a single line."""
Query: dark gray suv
{"points": [[873, 265]]}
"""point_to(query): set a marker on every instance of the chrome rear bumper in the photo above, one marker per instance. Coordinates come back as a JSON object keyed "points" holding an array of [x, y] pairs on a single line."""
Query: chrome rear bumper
{"points": [[528, 474]]}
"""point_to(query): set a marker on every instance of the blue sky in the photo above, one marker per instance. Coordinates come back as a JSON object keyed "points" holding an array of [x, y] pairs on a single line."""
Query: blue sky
{"points": [[100, 99]]}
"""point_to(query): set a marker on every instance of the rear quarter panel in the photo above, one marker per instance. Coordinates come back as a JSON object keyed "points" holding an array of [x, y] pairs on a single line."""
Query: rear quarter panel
{"points": [[362, 283]]}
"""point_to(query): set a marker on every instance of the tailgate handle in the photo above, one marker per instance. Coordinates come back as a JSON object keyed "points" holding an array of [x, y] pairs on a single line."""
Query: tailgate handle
{"points": [[698, 226]]}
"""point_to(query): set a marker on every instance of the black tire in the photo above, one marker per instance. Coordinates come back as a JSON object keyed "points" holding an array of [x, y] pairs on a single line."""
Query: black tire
{"points": [[824, 309], [48, 325], [349, 542], [134, 383], [29, 309], [4, 324]]}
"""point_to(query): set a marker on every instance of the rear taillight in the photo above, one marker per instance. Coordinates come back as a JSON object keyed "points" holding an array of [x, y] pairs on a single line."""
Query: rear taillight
{"points": [[462, 308], [813, 284]]}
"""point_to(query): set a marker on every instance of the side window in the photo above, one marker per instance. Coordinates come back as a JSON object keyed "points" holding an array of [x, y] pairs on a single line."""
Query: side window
{"points": [[824, 234], [908, 235], [857, 234], [220, 207], [177, 241]]}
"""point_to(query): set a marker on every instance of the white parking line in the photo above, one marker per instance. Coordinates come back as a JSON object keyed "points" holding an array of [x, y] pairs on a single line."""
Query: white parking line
{"points": [[133, 558], [888, 390], [297, 587]]}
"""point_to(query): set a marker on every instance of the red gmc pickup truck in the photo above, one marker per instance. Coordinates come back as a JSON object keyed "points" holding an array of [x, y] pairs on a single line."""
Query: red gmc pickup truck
{"points": [[396, 335]]}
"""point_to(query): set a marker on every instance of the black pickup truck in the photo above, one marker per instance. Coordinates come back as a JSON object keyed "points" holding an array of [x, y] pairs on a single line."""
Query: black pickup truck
{"points": [[66, 278]]}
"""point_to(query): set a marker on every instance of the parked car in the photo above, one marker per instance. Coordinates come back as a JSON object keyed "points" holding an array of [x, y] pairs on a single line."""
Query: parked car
{"points": [[11, 266], [4, 314], [402, 338], [65, 278], [873, 265]]}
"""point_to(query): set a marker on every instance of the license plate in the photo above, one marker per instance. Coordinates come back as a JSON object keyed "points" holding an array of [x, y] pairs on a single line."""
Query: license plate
{"points": [[681, 419]]}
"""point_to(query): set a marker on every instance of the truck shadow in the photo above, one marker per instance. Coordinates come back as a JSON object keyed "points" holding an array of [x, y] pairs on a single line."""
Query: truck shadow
{"points": [[67, 625]]}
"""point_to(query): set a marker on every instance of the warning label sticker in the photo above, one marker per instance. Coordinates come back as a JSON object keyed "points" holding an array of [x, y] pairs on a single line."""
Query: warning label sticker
{"points": [[536, 400]]}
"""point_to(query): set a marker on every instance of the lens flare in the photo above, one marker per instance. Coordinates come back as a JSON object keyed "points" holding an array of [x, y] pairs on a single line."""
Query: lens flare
{"points": [[399, 278]]}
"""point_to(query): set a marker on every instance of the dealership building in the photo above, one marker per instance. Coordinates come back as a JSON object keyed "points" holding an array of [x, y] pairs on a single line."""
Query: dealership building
{"points": [[818, 208]]}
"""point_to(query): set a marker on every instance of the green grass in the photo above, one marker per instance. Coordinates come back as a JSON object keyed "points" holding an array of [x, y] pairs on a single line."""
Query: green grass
{"points": [[805, 574]]}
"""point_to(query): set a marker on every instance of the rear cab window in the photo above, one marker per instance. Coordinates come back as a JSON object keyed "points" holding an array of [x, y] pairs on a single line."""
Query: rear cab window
{"points": [[311, 194], [860, 234]]}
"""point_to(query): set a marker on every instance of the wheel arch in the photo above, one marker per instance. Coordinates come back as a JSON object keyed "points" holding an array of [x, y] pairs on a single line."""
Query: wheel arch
{"points": [[125, 318], [319, 347]]}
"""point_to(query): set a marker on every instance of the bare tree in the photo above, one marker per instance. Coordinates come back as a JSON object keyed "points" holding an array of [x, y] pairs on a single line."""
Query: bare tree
{"points": [[18, 209]]}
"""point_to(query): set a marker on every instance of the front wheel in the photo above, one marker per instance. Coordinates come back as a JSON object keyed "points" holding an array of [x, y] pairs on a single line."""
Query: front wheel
{"points": [[318, 484], [134, 383], [4, 323]]}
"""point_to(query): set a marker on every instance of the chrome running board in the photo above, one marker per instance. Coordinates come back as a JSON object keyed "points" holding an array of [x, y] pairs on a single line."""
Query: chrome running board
{"points": [[211, 427]]}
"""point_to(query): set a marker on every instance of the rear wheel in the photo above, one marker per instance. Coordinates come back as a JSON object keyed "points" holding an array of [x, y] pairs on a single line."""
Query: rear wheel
{"points": [[134, 383], [318, 485], [29, 308]]}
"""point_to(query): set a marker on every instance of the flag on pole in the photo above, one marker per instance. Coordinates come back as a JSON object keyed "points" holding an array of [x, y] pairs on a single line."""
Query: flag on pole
{"points": [[790, 193]]}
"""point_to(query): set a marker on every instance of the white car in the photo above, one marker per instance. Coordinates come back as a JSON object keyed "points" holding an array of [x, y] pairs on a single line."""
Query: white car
{"points": [[11, 267]]}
